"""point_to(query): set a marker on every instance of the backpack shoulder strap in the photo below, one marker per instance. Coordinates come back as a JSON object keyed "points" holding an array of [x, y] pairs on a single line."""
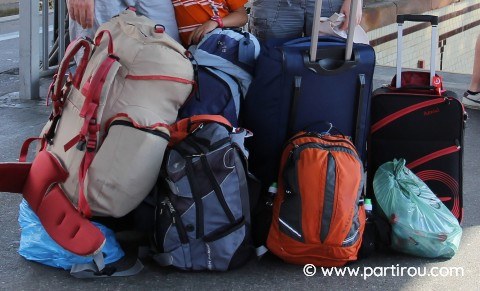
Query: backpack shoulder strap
{"points": [[58, 80]]}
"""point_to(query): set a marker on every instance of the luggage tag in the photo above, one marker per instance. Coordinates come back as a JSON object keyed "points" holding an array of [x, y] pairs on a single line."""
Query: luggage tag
{"points": [[246, 50], [437, 82]]}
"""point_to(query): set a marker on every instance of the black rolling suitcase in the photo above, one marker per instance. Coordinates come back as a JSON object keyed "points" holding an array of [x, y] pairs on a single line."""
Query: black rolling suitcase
{"points": [[415, 119]]}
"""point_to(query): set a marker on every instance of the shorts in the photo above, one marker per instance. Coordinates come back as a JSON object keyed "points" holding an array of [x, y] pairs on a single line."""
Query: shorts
{"points": [[286, 18], [160, 11]]}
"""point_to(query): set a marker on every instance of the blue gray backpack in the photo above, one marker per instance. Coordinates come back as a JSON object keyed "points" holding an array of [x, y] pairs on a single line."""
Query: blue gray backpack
{"points": [[203, 221], [223, 63]]}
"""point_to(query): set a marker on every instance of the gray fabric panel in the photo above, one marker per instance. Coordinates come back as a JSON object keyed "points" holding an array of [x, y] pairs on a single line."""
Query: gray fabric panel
{"points": [[329, 198], [238, 138], [213, 132], [230, 185], [182, 188], [198, 254], [181, 257], [189, 217], [231, 190], [175, 165], [163, 259], [243, 188], [172, 240], [353, 234], [220, 252], [290, 217], [84, 271], [215, 217]]}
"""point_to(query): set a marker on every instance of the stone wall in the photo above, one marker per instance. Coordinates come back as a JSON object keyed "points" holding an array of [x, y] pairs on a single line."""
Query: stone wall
{"points": [[458, 28], [9, 1]]}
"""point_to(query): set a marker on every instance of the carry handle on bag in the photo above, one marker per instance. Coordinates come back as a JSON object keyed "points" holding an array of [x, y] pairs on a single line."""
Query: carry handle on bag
{"points": [[316, 29], [416, 18]]}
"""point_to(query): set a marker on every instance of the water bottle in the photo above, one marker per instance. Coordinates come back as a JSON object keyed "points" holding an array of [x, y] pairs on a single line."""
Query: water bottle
{"points": [[272, 192], [368, 208], [368, 242]]}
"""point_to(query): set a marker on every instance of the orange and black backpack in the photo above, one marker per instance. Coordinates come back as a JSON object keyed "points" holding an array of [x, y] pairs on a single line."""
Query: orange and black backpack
{"points": [[318, 214]]}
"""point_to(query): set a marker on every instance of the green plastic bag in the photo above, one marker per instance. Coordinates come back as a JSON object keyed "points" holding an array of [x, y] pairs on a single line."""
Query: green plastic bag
{"points": [[421, 224]]}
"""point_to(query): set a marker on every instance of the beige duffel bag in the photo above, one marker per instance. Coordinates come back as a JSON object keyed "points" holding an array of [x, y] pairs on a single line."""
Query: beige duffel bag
{"points": [[109, 126]]}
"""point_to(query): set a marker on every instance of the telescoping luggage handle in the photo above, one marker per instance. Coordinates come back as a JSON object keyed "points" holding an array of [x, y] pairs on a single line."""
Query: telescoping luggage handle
{"points": [[316, 29], [416, 18]]}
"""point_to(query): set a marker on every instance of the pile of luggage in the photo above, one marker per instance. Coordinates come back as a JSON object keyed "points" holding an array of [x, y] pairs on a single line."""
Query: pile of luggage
{"points": [[147, 131]]}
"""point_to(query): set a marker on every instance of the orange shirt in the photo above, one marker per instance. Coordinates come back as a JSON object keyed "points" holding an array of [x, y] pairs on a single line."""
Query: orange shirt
{"points": [[190, 14]]}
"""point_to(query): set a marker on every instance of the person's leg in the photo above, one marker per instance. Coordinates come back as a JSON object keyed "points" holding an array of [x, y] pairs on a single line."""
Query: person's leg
{"points": [[161, 12], [475, 83], [277, 19], [471, 98]]}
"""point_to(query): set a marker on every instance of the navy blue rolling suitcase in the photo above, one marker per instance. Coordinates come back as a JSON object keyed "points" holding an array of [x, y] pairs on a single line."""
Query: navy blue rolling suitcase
{"points": [[299, 85]]}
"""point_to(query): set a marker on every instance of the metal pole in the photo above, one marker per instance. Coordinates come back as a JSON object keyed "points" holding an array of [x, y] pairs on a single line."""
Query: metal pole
{"points": [[433, 52], [315, 29], [45, 35], [29, 50], [351, 29], [61, 29], [398, 83]]}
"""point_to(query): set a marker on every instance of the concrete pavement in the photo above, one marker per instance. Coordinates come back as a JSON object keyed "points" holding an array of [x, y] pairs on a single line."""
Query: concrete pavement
{"points": [[22, 119]]}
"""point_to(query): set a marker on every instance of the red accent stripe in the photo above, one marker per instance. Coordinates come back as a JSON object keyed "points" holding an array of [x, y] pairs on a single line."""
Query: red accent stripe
{"points": [[72, 142], [135, 124], [407, 110], [25, 146], [90, 128], [434, 155], [448, 181], [159, 78], [64, 65], [93, 87], [98, 40], [77, 79]]}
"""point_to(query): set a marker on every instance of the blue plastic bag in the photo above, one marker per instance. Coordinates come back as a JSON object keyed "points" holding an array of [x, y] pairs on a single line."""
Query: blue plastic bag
{"points": [[421, 224], [36, 245]]}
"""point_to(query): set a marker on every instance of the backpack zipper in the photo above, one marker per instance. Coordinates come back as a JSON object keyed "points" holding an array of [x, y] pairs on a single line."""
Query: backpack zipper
{"points": [[322, 137]]}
